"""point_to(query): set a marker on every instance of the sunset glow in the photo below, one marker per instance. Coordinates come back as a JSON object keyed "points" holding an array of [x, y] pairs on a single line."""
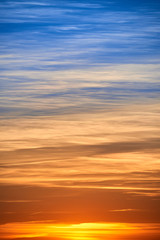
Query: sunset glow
{"points": [[78, 231], [79, 120]]}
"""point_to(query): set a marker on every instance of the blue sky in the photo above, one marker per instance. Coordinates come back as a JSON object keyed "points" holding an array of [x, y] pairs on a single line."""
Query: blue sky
{"points": [[43, 38], [91, 31]]}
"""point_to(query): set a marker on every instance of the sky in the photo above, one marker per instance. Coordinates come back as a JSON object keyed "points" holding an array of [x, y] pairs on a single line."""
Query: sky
{"points": [[79, 120]]}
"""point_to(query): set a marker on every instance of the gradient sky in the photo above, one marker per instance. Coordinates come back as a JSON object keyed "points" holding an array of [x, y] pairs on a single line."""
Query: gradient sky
{"points": [[79, 120]]}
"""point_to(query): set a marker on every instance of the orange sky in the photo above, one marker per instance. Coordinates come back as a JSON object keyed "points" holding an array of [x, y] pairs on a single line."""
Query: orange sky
{"points": [[72, 178], [90, 175]]}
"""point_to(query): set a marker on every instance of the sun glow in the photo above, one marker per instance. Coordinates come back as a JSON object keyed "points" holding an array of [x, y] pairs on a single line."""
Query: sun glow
{"points": [[87, 231]]}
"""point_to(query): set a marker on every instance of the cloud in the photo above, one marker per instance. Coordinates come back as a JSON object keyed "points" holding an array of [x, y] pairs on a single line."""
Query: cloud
{"points": [[108, 164], [99, 33], [45, 92], [79, 119]]}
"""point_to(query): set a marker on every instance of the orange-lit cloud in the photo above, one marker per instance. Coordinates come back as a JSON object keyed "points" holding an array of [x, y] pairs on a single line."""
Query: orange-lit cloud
{"points": [[79, 120]]}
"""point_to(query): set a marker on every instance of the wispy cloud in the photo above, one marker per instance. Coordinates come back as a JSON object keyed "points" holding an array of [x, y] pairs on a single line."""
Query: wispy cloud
{"points": [[79, 119]]}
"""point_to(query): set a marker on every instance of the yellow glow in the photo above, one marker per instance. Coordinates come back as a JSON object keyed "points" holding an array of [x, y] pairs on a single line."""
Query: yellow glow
{"points": [[87, 231]]}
